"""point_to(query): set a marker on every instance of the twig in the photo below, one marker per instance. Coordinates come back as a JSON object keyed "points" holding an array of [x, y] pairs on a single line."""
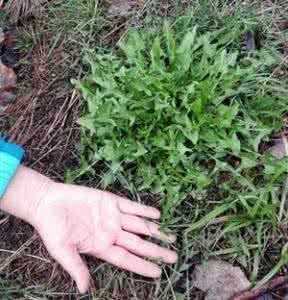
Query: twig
{"points": [[17, 253], [285, 143], [278, 282], [283, 200], [27, 255], [285, 189]]}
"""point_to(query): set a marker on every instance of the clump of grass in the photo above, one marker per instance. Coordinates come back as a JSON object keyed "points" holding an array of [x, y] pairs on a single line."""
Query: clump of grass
{"points": [[172, 115], [184, 112], [8, 292], [80, 23]]}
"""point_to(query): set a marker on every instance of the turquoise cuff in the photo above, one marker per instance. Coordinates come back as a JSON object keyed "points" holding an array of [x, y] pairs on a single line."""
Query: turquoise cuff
{"points": [[11, 156]]}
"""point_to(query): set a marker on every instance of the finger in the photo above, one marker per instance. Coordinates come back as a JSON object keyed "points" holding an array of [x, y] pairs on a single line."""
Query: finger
{"points": [[141, 226], [134, 208], [125, 260], [144, 248], [71, 261]]}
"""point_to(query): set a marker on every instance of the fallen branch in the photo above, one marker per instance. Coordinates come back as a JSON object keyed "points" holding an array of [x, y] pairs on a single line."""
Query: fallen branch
{"points": [[269, 287]]}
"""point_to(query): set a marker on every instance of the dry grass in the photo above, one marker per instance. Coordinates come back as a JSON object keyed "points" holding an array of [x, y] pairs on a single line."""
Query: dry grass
{"points": [[44, 120], [45, 113], [19, 9]]}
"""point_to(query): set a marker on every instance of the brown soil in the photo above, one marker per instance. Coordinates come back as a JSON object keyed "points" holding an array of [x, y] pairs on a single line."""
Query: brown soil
{"points": [[44, 121]]}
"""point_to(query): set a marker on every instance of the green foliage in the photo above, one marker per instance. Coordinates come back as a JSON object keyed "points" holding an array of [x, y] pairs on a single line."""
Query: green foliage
{"points": [[8, 292], [78, 22], [172, 114]]}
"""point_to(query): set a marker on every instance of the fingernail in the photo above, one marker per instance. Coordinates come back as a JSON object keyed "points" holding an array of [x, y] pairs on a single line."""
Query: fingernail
{"points": [[156, 213], [83, 287], [174, 258], [171, 238]]}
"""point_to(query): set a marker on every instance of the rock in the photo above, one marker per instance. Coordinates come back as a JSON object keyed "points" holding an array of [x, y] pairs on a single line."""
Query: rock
{"points": [[2, 36], [6, 98], [280, 148], [250, 41], [7, 84], [10, 58], [219, 280], [122, 8], [265, 297], [7, 77], [282, 24]]}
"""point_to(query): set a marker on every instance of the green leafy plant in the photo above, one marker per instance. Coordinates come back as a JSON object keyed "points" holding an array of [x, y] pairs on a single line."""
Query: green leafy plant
{"points": [[177, 115]]}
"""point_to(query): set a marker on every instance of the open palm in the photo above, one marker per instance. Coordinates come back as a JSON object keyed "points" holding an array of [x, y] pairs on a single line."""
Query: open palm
{"points": [[73, 220]]}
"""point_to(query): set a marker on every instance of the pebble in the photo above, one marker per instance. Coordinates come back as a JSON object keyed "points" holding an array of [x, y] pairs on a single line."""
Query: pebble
{"points": [[2, 36], [7, 78]]}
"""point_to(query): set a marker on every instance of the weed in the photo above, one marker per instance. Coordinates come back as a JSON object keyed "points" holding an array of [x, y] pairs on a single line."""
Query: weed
{"points": [[79, 23], [8, 292], [168, 115], [27, 40], [182, 112]]}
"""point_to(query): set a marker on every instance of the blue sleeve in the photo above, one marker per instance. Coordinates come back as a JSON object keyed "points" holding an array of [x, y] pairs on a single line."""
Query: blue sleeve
{"points": [[10, 159], [12, 149]]}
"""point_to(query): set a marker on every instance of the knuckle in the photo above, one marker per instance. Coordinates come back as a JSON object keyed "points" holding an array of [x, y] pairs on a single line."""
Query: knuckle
{"points": [[135, 242], [121, 257]]}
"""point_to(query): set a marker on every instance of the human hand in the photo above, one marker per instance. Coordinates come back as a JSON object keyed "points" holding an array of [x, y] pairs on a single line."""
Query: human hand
{"points": [[72, 220]]}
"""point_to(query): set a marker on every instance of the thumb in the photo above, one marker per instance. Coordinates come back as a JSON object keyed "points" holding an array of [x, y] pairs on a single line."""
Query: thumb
{"points": [[69, 258]]}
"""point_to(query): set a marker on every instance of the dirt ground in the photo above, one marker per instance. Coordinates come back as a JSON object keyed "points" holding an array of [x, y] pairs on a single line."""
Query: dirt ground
{"points": [[44, 120]]}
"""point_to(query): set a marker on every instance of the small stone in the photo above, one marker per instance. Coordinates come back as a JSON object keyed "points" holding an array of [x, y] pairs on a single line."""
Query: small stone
{"points": [[2, 36], [219, 280], [121, 8], [7, 97], [7, 77], [7, 84], [280, 148], [282, 24]]}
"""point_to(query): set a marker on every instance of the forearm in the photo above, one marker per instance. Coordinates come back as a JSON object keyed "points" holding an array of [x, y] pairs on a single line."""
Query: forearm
{"points": [[24, 192]]}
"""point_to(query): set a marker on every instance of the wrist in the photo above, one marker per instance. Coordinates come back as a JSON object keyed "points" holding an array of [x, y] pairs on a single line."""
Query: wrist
{"points": [[25, 193]]}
